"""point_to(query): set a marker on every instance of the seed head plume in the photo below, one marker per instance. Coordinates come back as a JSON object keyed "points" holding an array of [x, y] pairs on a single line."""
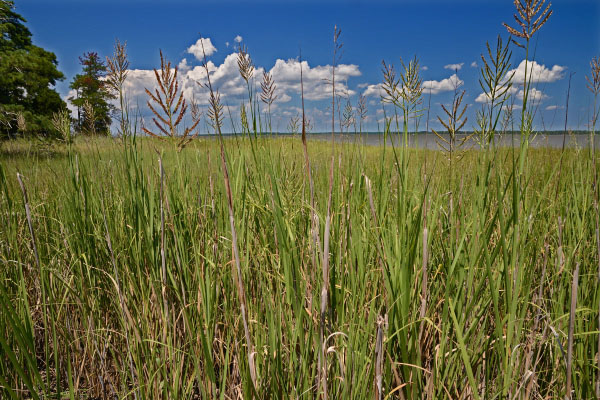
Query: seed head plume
{"points": [[390, 85], [496, 81], [245, 64], [215, 108], [529, 17], [348, 116], [454, 124], [172, 106], [117, 66], [361, 109], [412, 85], [594, 82], [268, 87]]}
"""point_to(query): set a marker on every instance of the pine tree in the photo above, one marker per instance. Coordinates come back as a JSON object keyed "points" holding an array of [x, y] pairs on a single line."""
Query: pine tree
{"points": [[93, 95]]}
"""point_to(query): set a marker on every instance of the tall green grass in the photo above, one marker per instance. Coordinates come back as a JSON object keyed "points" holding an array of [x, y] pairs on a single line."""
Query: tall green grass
{"points": [[96, 317]]}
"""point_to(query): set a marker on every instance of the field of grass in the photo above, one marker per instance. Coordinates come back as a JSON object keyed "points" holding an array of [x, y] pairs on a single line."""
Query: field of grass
{"points": [[476, 279]]}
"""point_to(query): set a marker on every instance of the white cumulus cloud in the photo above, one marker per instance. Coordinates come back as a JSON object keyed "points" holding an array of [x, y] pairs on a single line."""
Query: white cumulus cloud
{"points": [[474, 64], [196, 48], [72, 94], [535, 95], [373, 90], [539, 73], [225, 78], [238, 39], [454, 67], [287, 78], [445, 85]]}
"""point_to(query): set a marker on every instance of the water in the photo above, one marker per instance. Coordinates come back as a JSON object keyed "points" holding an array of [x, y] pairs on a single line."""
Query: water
{"points": [[430, 140]]}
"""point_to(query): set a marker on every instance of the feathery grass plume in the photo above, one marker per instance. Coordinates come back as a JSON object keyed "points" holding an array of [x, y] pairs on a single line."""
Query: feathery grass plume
{"points": [[294, 125], [61, 121], [215, 112], [456, 121], [195, 111], [245, 64], [267, 94], [348, 118], [268, 87], [390, 84], [412, 89], [244, 119], [89, 118], [593, 84], [21, 123], [404, 93], [496, 82], [171, 105], [246, 69], [361, 111], [530, 18], [117, 69]]}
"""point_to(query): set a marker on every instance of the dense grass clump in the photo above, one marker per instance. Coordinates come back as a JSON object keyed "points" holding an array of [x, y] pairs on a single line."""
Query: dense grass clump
{"points": [[443, 282]]}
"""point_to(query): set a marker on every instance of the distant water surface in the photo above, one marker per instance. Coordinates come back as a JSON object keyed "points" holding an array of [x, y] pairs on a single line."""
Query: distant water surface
{"points": [[430, 141]]}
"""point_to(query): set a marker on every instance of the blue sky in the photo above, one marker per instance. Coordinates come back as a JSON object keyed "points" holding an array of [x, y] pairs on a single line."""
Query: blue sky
{"points": [[438, 32]]}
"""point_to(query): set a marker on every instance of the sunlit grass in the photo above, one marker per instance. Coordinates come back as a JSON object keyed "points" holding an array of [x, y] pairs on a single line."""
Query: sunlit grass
{"points": [[92, 320]]}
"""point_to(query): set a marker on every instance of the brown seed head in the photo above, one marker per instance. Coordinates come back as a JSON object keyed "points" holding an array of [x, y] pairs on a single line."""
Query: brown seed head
{"points": [[594, 82], [268, 87], [245, 64], [529, 18]]}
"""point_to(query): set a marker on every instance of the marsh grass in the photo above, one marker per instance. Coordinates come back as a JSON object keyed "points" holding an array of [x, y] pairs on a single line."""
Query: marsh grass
{"points": [[131, 270], [100, 273]]}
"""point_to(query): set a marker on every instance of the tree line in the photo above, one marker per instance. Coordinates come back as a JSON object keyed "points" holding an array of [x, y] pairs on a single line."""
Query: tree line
{"points": [[29, 102]]}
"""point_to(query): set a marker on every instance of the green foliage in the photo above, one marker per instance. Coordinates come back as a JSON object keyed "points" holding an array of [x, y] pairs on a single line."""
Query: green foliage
{"points": [[27, 76], [93, 89], [499, 273]]}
